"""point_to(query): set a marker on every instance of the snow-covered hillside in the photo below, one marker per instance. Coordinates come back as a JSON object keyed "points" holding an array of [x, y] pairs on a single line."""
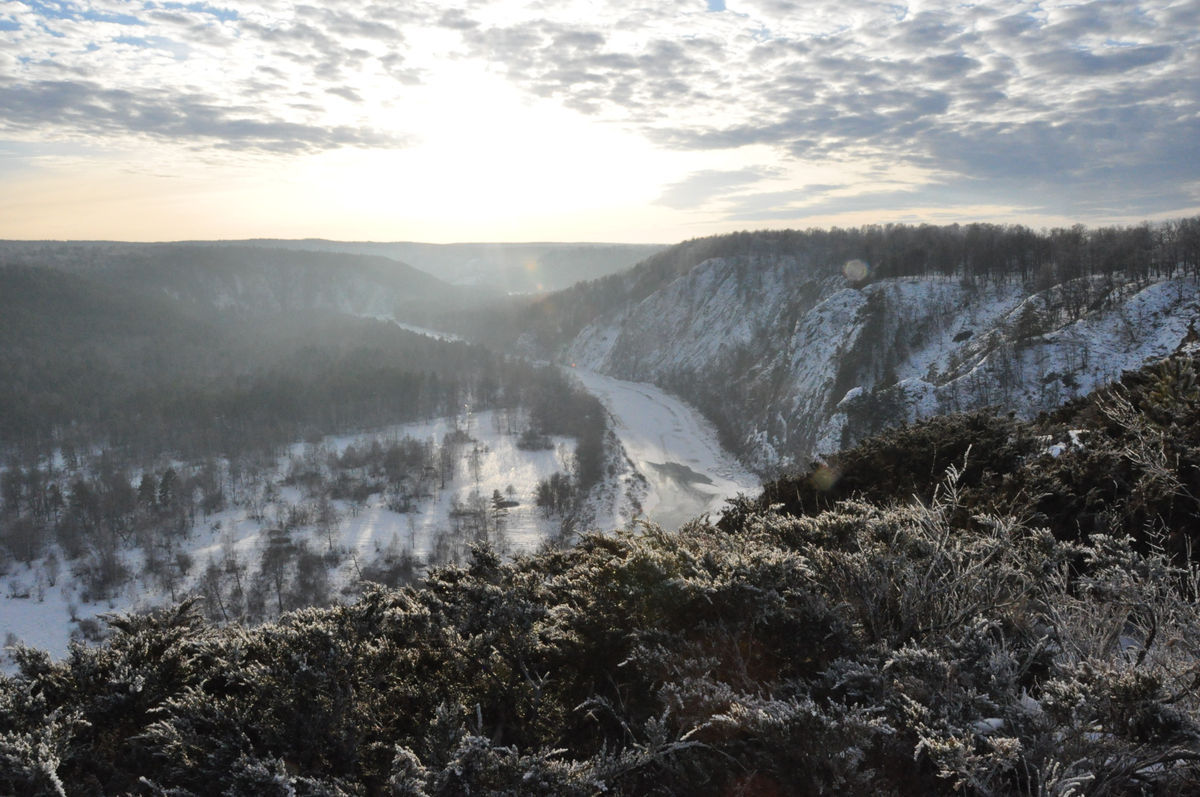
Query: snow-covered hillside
{"points": [[790, 365]]}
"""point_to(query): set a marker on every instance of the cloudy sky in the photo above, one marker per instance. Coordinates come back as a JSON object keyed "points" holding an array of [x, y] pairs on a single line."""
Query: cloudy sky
{"points": [[589, 119]]}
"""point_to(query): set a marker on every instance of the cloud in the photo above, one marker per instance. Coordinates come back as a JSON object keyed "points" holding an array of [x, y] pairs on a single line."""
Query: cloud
{"points": [[345, 92], [774, 205], [1083, 97], [1086, 104], [1079, 62], [698, 189], [234, 76], [89, 108]]}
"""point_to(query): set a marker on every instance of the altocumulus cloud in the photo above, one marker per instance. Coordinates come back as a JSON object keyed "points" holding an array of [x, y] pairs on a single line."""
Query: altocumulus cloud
{"points": [[702, 187], [171, 115], [261, 77], [1052, 107], [1086, 108]]}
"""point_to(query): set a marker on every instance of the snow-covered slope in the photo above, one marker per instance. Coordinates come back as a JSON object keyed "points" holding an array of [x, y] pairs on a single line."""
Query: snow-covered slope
{"points": [[1025, 352], [790, 363]]}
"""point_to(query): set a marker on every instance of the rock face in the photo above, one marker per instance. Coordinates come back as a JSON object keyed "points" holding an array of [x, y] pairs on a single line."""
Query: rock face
{"points": [[791, 362]]}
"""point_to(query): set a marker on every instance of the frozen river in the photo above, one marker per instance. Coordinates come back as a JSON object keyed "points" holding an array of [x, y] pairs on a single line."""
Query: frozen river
{"points": [[687, 471], [673, 446]]}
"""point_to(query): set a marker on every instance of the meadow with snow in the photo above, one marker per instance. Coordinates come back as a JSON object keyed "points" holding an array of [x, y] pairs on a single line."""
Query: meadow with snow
{"points": [[43, 604]]}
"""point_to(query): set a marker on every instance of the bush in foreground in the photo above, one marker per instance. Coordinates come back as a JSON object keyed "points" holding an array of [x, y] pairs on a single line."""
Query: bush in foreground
{"points": [[955, 633], [867, 649]]}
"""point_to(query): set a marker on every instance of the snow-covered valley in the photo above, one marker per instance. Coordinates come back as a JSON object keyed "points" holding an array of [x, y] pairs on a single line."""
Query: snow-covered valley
{"points": [[431, 518], [675, 467], [674, 470], [781, 358]]}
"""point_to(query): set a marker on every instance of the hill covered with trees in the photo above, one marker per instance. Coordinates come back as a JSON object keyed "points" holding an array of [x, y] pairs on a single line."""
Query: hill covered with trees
{"points": [[977, 252], [153, 425], [142, 355]]}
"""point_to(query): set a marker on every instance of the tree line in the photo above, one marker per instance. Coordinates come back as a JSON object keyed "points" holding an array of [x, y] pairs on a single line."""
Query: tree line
{"points": [[980, 252]]}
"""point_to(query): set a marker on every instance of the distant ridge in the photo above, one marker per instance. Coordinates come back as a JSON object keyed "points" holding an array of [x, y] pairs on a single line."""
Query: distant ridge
{"points": [[532, 267]]}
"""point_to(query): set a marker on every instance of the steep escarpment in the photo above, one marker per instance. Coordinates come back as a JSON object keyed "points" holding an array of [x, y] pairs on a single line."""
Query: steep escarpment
{"points": [[792, 356]]}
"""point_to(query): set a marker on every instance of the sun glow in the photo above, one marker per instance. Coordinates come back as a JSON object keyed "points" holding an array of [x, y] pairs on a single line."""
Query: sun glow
{"points": [[488, 154]]}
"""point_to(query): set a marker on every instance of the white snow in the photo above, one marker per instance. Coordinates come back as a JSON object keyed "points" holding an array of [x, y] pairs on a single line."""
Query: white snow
{"points": [[36, 612]]}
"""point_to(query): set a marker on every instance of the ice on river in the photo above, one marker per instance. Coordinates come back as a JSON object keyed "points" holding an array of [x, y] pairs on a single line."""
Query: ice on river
{"points": [[673, 446]]}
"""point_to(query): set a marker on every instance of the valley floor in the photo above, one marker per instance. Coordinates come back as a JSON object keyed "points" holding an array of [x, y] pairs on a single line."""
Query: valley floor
{"points": [[674, 470], [42, 603]]}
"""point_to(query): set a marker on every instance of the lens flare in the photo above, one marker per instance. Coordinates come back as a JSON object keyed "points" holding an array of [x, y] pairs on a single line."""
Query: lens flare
{"points": [[856, 270], [823, 478]]}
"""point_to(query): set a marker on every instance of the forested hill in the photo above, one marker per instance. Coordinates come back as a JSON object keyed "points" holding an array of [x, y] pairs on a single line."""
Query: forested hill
{"points": [[70, 346], [797, 344], [485, 268], [528, 268], [975, 252], [1026, 623], [158, 442], [91, 359], [253, 278]]}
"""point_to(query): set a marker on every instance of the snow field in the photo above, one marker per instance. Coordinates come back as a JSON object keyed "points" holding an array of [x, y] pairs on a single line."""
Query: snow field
{"points": [[41, 604]]}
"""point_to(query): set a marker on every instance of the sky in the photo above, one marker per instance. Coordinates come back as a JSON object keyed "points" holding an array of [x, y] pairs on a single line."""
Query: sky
{"points": [[589, 120]]}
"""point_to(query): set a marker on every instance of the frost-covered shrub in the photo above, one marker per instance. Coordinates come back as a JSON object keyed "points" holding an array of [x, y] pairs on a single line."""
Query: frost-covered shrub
{"points": [[927, 645], [1124, 460]]}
